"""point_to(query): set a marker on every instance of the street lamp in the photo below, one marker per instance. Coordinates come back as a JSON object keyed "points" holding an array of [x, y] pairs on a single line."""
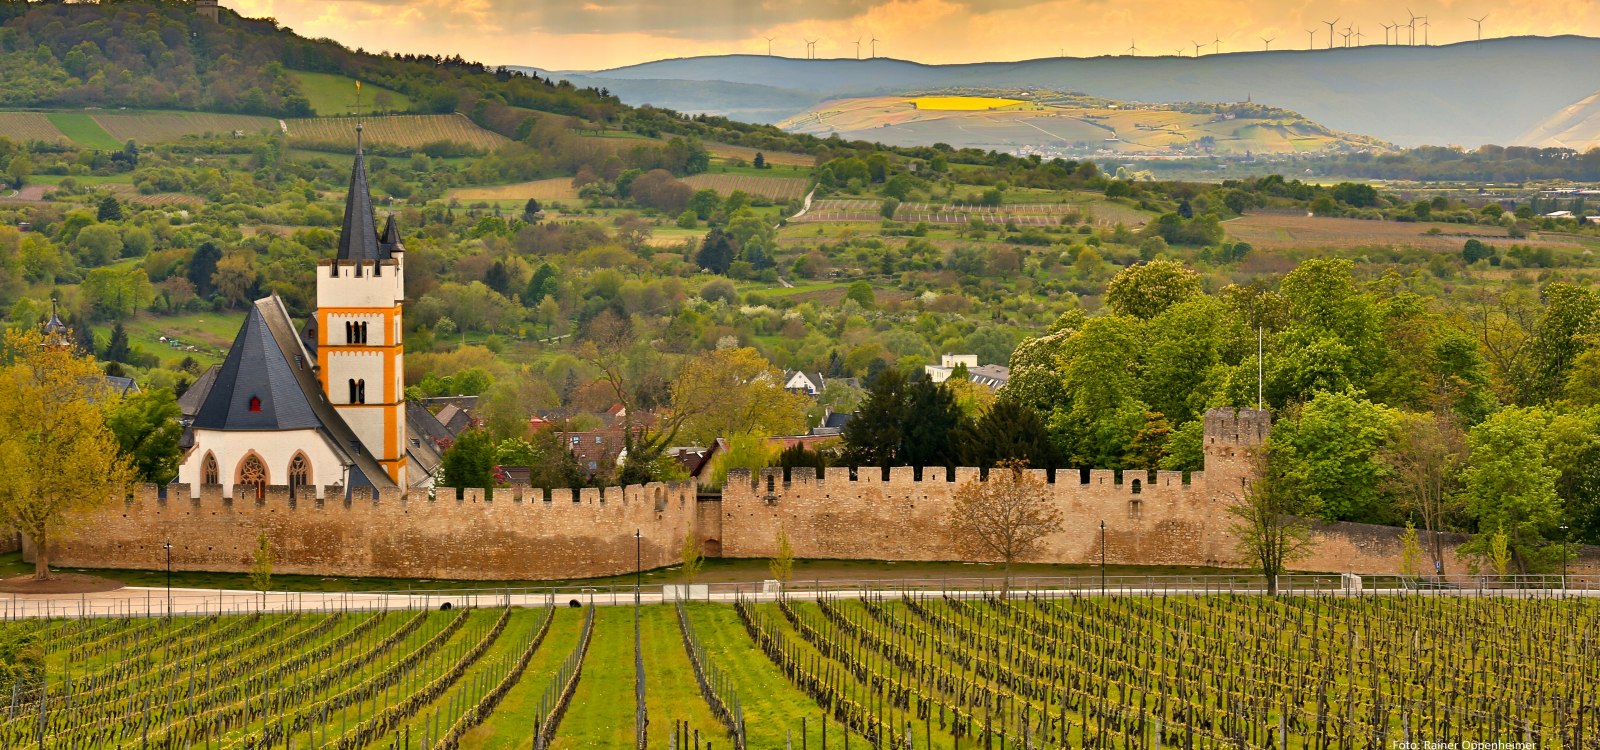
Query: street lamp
{"points": [[1102, 557], [168, 547]]}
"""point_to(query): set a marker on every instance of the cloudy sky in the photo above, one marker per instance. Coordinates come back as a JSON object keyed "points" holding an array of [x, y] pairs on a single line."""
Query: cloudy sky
{"points": [[594, 34]]}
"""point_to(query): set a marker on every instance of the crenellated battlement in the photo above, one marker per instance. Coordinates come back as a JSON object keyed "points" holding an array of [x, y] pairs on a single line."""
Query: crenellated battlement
{"points": [[1239, 428], [655, 493]]}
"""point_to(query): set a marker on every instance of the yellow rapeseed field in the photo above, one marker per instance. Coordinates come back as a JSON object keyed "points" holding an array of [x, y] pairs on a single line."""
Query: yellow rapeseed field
{"points": [[964, 103]]}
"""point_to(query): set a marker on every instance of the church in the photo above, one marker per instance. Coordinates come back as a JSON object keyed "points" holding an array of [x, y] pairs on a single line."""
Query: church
{"points": [[322, 405]]}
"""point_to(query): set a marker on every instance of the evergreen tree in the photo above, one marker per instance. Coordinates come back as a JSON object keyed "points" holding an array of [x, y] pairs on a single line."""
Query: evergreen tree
{"points": [[932, 424], [545, 283], [1008, 431], [531, 210], [498, 278], [109, 209], [202, 266], [82, 336], [760, 161], [875, 435], [716, 252], [117, 349]]}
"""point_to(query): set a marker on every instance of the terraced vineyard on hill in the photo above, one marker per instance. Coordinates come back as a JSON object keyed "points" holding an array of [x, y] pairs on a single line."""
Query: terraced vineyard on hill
{"points": [[881, 670]]}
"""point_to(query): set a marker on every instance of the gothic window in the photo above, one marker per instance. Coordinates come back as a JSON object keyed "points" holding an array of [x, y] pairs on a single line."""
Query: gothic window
{"points": [[361, 391], [353, 392], [208, 469], [361, 332], [299, 473], [349, 332], [253, 475]]}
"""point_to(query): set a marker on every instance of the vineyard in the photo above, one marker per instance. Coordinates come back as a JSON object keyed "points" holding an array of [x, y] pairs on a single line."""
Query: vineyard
{"points": [[405, 131], [157, 127], [877, 670], [1018, 214], [29, 126], [775, 188]]}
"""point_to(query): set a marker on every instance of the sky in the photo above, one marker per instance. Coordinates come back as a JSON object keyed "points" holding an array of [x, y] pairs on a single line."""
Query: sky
{"points": [[597, 34]]}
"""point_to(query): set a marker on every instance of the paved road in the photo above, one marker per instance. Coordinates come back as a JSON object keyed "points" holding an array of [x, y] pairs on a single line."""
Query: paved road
{"points": [[141, 602]]}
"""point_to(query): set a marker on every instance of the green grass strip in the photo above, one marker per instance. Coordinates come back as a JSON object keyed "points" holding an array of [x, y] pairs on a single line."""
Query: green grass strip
{"points": [[82, 129]]}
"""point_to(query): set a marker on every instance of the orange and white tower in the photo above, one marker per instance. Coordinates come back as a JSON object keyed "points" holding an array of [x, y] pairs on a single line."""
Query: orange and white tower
{"points": [[360, 354]]}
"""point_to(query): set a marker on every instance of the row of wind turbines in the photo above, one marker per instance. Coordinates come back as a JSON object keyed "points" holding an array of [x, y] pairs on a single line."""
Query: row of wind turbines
{"points": [[1394, 34], [811, 46]]}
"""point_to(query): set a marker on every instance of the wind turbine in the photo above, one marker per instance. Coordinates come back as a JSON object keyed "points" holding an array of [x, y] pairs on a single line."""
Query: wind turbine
{"points": [[1218, 42], [1346, 36], [1268, 42], [1386, 28], [769, 44], [811, 49], [858, 48], [1197, 47], [1178, 52], [875, 41], [1330, 31], [1479, 22], [1424, 31], [1133, 48], [1358, 36], [1412, 28], [1311, 38]]}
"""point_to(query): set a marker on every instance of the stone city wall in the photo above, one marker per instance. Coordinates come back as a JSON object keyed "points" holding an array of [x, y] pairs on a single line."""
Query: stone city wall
{"points": [[517, 534]]}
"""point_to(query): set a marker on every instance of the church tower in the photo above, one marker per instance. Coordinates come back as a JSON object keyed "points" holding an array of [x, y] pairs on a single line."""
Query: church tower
{"points": [[359, 351]]}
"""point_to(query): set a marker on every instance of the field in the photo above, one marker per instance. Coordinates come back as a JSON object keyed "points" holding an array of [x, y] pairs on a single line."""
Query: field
{"points": [[1101, 212], [1111, 129], [776, 188], [779, 158], [81, 128], [29, 126], [406, 131], [964, 103], [1275, 231], [336, 95], [553, 189], [157, 127], [889, 670]]}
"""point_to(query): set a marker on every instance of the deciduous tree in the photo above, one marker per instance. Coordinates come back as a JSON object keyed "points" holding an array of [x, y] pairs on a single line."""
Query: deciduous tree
{"points": [[1006, 517], [61, 459], [1267, 527]]}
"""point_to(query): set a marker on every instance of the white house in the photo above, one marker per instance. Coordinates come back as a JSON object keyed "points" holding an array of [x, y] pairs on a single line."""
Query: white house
{"points": [[948, 364]]}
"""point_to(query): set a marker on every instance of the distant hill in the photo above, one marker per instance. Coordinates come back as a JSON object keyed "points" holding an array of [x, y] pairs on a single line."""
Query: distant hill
{"points": [[1473, 93], [1576, 127], [1051, 124]]}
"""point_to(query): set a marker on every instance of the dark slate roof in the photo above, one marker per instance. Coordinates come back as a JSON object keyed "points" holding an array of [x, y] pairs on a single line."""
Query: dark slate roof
{"points": [[122, 386], [358, 239], [424, 425], [267, 358], [189, 403], [389, 241], [256, 368], [308, 336], [837, 420]]}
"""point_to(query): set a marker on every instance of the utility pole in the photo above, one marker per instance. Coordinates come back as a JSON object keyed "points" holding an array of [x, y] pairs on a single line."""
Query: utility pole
{"points": [[638, 565], [1102, 557], [1564, 536]]}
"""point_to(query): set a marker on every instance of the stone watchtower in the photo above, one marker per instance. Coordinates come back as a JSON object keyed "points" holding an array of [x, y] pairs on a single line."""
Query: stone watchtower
{"points": [[1231, 438], [206, 9]]}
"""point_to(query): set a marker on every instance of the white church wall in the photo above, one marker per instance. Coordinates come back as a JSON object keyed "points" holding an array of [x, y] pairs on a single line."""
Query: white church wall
{"points": [[368, 424], [344, 366], [276, 448], [349, 290], [377, 333]]}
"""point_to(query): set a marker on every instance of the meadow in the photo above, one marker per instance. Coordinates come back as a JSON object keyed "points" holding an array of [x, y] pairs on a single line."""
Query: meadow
{"points": [[878, 669], [336, 95]]}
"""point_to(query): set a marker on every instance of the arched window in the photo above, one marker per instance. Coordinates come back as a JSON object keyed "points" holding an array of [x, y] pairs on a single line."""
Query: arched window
{"points": [[361, 332], [349, 332], [253, 475], [208, 469], [353, 392], [299, 474], [361, 391]]}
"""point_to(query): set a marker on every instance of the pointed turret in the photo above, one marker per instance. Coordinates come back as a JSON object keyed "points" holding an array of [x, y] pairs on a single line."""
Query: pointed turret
{"points": [[358, 239], [389, 241], [56, 333]]}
